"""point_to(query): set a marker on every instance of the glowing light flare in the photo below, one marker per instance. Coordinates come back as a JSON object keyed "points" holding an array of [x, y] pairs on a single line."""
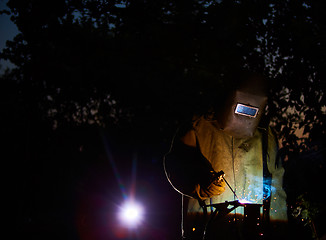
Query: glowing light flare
{"points": [[131, 214], [244, 201]]}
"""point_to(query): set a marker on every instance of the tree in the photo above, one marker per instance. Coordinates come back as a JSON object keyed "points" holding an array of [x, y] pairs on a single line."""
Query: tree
{"points": [[91, 55], [145, 66]]}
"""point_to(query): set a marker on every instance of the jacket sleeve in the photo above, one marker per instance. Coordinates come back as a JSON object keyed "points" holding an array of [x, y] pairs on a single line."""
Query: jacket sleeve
{"points": [[188, 171]]}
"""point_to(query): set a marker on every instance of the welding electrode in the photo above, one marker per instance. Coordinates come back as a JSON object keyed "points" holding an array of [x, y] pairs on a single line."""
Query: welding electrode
{"points": [[221, 174]]}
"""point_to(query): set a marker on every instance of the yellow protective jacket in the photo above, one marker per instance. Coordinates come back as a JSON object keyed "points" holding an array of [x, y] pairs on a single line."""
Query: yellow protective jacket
{"points": [[202, 147]]}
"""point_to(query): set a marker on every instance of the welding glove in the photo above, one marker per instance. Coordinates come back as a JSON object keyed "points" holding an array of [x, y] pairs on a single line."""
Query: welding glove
{"points": [[216, 187]]}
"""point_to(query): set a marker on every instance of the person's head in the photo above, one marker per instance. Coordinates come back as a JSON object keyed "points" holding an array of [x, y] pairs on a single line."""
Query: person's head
{"points": [[244, 106]]}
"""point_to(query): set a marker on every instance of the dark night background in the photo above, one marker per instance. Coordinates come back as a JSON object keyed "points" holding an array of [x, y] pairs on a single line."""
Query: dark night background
{"points": [[98, 89]]}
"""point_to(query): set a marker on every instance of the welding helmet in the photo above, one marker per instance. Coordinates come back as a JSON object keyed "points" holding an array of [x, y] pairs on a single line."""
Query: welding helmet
{"points": [[244, 108]]}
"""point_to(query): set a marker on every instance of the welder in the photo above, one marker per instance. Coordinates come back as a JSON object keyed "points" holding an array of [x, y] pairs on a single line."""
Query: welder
{"points": [[231, 139]]}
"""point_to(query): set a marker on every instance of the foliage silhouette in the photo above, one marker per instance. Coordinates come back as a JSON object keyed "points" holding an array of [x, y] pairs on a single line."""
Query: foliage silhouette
{"points": [[141, 67]]}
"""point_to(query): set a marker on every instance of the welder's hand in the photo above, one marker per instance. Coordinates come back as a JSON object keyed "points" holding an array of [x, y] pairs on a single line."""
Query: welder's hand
{"points": [[215, 188]]}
